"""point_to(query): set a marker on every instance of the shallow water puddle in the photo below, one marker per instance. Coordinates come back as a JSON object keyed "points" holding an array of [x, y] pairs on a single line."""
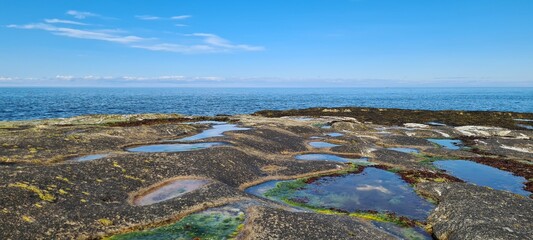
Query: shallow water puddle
{"points": [[322, 145], [260, 189], [209, 122], [411, 233], [526, 126], [529, 127], [523, 120], [405, 150], [436, 124], [328, 157], [484, 175], [179, 147], [168, 191], [215, 223], [335, 134], [371, 190], [452, 144], [316, 137], [384, 133], [217, 130], [380, 129], [90, 157]]}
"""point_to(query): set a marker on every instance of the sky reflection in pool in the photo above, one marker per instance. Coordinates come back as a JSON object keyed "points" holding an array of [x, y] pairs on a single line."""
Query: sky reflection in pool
{"points": [[452, 144], [322, 145], [484, 175], [328, 157], [436, 124], [529, 127], [372, 190], [178, 147], [168, 191], [217, 130], [405, 150], [335, 134]]}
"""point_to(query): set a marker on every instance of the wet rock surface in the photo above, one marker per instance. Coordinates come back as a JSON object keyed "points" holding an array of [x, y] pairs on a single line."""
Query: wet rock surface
{"points": [[46, 193], [269, 223], [400, 116], [466, 211]]}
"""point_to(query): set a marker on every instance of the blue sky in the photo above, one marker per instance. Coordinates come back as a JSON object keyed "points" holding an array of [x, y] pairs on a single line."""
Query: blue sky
{"points": [[289, 43]]}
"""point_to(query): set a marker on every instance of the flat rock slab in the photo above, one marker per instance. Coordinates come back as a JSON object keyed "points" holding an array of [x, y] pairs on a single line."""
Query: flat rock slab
{"points": [[397, 159], [471, 212], [45, 195], [270, 223]]}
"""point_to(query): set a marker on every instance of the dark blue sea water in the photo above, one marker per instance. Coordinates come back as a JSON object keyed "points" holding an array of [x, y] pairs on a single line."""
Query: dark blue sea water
{"points": [[38, 103]]}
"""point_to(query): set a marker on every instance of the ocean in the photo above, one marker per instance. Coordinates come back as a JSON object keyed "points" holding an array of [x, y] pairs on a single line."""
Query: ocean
{"points": [[40, 103]]}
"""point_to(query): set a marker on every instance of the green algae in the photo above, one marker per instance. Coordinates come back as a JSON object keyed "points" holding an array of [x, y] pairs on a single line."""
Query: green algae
{"points": [[296, 193], [221, 223], [373, 194], [284, 190]]}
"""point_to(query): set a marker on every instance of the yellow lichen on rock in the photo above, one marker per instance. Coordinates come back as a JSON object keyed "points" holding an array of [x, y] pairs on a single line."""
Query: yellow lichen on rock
{"points": [[115, 164], [28, 219], [133, 178], [64, 179], [105, 221], [43, 194]]}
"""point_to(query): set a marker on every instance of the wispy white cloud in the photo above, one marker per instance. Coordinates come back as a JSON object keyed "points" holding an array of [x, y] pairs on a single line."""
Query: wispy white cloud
{"points": [[223, 44], [180, 17], [78, 33], [180, 25], [195, 43], [211, 43], [174, 78], [64, 77], [147, 17], [96, 80], [81, 15], [55, 20], [183, 80], [152, 18], [177, 48]]}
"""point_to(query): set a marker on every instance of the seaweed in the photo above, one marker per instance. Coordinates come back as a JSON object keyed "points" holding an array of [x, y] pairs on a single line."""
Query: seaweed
{"points": [[203, 225]]}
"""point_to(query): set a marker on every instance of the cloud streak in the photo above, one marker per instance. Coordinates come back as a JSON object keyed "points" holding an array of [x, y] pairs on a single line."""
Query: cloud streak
{"points": [[221, 43], [182, 80], [194, 43], [78, 33], [181, 17], [55, 20], [65, 80], [153, 18], [210, 43], [147, 17], [81, 15]]}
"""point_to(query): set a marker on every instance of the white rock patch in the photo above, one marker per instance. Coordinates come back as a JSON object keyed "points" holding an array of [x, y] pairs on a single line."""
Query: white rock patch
{"points": [[518, 149]]}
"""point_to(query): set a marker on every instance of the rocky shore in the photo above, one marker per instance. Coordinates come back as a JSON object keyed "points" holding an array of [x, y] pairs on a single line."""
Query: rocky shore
{"points": [[82, 177]]}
